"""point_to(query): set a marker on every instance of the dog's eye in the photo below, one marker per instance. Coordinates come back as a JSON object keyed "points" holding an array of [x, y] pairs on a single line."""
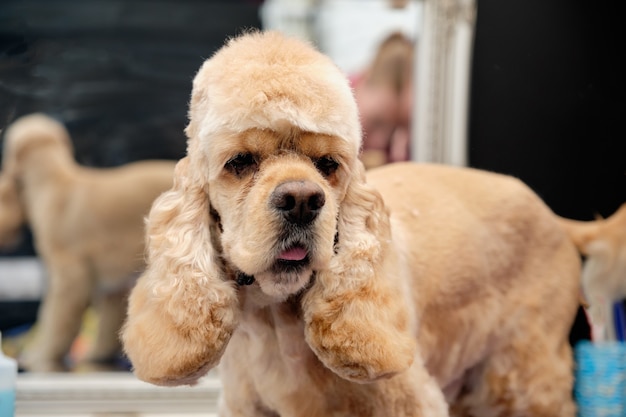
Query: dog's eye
{"points": [[326, 165], [241, 164]]}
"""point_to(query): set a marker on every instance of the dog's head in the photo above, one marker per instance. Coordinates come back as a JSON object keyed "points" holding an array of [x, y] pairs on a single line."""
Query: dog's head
{"points": [[22, 140], [271, 192], [274, 133]]}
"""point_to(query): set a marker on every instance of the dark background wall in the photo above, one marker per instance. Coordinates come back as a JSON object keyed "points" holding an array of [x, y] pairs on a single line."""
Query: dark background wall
{"points": [[548, 103], [117, 73], [548, 100]]}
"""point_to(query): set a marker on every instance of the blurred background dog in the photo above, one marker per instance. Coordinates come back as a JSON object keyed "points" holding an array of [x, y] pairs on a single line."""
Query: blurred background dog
{"points": [[87, 226]]}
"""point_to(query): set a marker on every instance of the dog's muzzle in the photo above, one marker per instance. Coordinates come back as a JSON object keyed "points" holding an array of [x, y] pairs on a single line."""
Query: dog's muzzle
{"points": [[298, 203]]}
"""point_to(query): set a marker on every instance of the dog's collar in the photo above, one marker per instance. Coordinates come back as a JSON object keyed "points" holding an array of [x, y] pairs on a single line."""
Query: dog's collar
{"points": [[243, 279]]}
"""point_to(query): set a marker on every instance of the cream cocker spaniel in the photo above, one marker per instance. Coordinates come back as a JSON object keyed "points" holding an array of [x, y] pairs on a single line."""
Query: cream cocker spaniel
{"points": [[417, 290]]}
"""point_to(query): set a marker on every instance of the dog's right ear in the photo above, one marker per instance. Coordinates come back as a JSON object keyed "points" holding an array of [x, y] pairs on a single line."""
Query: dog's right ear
{"points": [[182, 310], [355, 319]]}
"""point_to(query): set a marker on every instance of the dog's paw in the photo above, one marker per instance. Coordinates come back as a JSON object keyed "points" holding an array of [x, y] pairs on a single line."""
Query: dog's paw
{"points": [[355, 347]]}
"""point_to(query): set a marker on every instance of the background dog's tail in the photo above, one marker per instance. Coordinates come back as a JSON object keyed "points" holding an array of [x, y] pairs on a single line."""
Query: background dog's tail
{"points": [[603, 244], [584, 234]]}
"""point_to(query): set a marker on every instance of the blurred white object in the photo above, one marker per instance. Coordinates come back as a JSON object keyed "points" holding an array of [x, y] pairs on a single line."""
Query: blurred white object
{"points": [[21, 278], [444, 54], [102, 393], [293, 17], [348, 31]]}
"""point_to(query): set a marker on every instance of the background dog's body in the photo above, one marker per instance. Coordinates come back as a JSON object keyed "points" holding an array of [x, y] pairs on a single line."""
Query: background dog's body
{"points": [[87, 225]]}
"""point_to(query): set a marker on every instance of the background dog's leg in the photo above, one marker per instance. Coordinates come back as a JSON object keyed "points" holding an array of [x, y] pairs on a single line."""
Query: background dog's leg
{"points": [[60, 316], [111, 310]]}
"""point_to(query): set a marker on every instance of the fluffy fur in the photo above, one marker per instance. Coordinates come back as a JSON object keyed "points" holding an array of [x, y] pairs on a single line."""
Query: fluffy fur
{"points": [[87, 226], [419, 290]]}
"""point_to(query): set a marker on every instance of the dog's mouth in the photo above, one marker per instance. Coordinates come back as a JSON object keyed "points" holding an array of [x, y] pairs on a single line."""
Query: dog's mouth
{"points": [[296, 253], [289, 262], [292, 259]]}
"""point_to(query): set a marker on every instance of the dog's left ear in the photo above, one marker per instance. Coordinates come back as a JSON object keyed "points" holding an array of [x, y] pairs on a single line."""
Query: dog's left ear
{"points": [[356, 321], [183, 309]]}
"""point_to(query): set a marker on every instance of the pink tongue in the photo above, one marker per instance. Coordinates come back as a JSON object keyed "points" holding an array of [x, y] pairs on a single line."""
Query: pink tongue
{"points": [[296, 253]]}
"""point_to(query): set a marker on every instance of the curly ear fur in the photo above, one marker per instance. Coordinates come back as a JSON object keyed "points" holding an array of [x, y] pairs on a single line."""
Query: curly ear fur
{"points": [[182, 311], [354, 321]]}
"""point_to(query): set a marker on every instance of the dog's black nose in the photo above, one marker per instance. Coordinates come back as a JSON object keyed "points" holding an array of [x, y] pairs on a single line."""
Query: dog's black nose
{"points": [[298, 201]]}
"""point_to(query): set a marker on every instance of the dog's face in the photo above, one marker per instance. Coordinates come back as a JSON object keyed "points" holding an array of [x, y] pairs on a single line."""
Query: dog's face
{"points": [[275, 128], [277, 197]]}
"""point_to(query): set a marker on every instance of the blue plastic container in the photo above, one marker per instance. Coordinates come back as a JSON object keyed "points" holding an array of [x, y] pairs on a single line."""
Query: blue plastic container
{"points": [[600, 387], [8, 377]]}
